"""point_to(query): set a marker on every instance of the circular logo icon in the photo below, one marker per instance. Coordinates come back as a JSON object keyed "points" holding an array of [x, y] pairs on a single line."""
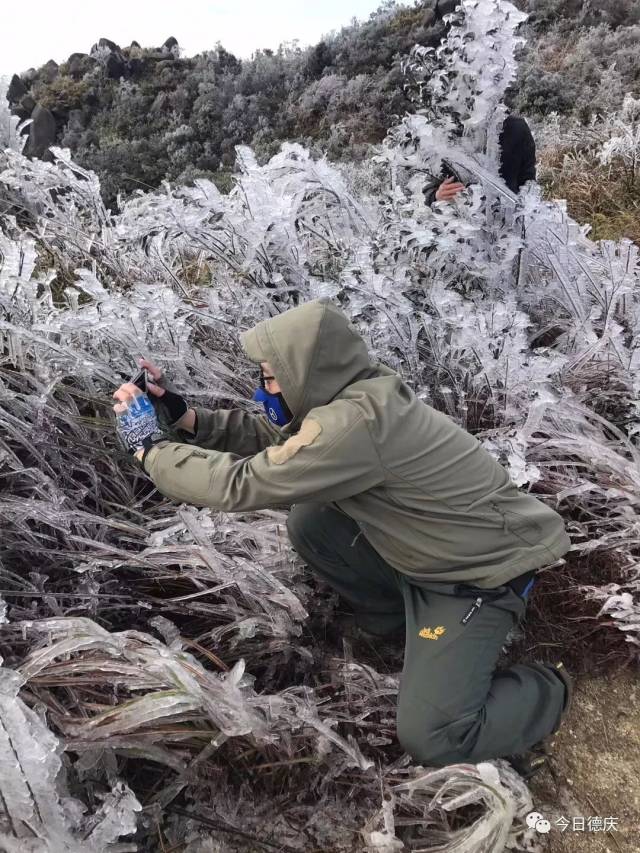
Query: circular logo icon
{"points": [[543, 825], [272, 414]]}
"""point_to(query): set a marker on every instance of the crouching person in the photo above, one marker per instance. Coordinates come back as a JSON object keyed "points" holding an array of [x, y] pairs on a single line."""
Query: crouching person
{"points": [[396, 507]]}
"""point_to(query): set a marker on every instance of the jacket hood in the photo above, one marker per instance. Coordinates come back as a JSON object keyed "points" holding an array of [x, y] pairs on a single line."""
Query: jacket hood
{"points": [[315, 352]]}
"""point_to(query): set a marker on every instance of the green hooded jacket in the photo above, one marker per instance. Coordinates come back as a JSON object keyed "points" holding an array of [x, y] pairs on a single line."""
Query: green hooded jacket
{"points": [[427, 496]]}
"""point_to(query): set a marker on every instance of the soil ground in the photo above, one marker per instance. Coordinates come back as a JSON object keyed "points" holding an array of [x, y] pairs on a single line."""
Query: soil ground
{"points": [[595, 769]]}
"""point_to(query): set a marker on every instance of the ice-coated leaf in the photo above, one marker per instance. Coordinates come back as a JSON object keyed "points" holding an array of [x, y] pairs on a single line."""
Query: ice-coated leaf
{"points": [[32, 811]]}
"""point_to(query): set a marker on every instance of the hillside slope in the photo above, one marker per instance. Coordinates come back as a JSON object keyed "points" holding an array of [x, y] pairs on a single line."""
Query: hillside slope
{"points": [[138, 116]]}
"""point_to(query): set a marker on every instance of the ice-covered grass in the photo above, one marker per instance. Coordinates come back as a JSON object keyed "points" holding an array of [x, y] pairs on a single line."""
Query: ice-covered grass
{"points": [[161, 669]]}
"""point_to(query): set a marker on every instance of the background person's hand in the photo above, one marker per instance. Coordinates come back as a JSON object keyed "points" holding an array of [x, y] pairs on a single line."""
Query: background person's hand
{"points": [[171, 407], [448, 189]]}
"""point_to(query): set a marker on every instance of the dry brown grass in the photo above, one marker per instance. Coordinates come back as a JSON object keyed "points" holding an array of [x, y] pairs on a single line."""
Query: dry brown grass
{"points": [[561, 624], [605, 197]]}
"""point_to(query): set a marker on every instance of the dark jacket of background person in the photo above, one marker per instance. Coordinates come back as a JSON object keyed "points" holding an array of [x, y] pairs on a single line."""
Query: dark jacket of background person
{"points": [[517, 158]]}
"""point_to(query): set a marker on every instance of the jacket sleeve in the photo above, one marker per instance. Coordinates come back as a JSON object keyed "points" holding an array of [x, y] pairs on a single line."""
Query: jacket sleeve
{"points": [[528, 162], [431, 188], [430, 191], [517, 153], [232, 431], [328, 459]]}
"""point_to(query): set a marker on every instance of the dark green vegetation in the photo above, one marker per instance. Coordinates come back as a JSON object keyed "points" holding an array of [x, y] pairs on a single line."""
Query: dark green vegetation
{"points": [[581, 57]]}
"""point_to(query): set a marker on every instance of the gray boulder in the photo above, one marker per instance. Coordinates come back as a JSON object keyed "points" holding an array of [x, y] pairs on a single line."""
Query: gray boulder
{"points": [[27, 104], [445, 7], [116, 66], [170, 43], [16, 89], [110, 44], [24, 109], [136, 67], [430, 18], [78, 64], [42, 132], [50, 70]]}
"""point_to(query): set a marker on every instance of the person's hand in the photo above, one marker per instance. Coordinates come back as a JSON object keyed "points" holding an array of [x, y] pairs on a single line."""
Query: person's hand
{"points": [[448, 189], [154, 372], [171, 407], [136, 421]]}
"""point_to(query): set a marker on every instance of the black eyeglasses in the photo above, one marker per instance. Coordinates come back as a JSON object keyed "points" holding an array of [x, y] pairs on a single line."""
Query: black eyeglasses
{"points": [[264, 379]]}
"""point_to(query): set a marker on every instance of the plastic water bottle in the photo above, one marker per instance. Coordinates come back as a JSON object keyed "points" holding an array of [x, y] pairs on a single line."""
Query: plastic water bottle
{"points": [[138, 418]]}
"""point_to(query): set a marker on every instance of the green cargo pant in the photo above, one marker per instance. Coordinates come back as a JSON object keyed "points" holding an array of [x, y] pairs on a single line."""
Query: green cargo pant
{"points": [[454, 705]]}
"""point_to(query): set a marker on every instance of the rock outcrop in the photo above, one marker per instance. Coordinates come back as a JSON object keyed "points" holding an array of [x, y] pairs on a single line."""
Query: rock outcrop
{"points": [[78, 64], [111, 45], [445, 7], [42, 132], [50, 70], [116, 66], [16, 90]]}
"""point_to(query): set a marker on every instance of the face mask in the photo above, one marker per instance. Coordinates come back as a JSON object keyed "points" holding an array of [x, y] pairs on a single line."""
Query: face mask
{"points": [[275, 407]]}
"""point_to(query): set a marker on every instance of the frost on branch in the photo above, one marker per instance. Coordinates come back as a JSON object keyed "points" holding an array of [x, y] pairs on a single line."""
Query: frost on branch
{"points": [[624, 137], [460, 85]]}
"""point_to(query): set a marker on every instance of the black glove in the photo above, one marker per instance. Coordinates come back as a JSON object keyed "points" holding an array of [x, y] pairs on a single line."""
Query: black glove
{"points": [[170, 407]]}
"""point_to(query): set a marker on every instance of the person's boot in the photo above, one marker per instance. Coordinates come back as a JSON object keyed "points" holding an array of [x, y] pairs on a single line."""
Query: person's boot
{"points": [[528, 763], [561, 671], [533, 760]]}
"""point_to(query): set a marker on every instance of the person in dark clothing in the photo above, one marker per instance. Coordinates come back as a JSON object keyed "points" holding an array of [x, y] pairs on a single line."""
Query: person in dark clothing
{"points": [[517, 163], [517, 153]]}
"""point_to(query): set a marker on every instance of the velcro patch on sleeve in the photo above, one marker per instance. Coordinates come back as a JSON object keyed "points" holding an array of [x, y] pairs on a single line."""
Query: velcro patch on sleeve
{"points": [[306, 435]]}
